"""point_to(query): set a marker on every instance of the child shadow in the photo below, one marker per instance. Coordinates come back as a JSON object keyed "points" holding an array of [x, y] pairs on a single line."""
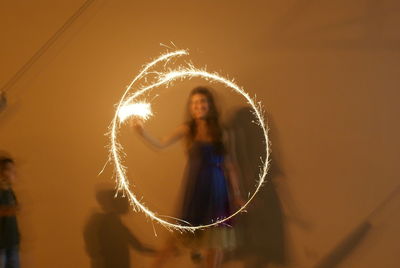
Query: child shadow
{"points": [[107, 239]]}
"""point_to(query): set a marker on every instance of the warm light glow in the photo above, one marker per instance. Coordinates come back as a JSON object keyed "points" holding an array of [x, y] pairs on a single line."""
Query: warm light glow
{"points": [[165, 78], [140, 109]]}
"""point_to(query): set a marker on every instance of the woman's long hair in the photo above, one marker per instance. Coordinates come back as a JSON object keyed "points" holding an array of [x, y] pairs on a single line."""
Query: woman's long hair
{"points": [[212, 120]]}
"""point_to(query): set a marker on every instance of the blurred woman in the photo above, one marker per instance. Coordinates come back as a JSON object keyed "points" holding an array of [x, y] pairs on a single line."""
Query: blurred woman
{"points": [[211, 183]]}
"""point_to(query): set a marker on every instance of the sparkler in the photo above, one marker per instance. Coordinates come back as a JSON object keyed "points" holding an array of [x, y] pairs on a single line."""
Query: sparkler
{"points": [[128, 106], [140, 109]]}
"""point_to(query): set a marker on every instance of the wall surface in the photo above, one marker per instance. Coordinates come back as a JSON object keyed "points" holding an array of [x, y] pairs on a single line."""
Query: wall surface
{"points": [[327, 73]]}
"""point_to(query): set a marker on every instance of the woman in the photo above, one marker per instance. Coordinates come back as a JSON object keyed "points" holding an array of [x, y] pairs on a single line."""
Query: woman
{"points": [[212, 189]]}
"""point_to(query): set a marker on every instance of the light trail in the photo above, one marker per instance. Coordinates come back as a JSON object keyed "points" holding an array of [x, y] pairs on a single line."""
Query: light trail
{"points": [[165, 78]]}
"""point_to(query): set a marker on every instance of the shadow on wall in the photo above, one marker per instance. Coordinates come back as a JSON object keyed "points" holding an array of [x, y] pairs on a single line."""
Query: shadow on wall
{"points": [[346, 247], [107, 239], [358, 235], [261, 231]]}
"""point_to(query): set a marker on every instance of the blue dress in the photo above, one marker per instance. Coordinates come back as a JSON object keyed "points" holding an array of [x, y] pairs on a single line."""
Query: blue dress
{"points": [[206, 196]]}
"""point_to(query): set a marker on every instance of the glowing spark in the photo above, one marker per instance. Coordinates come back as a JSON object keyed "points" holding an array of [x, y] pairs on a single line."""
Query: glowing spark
{"points": [[164, 79], [140, 109]]}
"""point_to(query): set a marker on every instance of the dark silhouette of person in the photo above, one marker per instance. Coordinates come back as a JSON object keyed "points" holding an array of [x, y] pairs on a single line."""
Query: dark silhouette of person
{"points": [[107, 239], [261, 231]]}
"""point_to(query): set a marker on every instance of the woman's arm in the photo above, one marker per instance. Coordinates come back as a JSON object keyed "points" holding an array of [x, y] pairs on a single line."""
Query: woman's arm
{"points": [[233, 177], [164, 142], [232, 169]]}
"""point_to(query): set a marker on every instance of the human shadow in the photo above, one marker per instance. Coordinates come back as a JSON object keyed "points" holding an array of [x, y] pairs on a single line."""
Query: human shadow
{"points": [[262, 236], [107, 239], [261, 231]]}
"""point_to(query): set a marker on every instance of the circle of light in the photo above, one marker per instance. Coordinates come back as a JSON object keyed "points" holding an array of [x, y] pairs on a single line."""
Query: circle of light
{"points": [[165, 78]]}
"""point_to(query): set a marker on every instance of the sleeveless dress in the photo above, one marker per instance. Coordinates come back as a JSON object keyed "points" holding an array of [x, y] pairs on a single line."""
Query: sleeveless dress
{"points": [[206, 196]]}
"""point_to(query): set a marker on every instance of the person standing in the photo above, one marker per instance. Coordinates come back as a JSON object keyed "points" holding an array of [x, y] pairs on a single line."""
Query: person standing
{"points": [[211, 190], [9, 233]]}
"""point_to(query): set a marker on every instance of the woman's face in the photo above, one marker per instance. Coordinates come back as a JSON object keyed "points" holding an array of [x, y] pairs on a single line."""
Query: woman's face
{"points": [[199, 106]]}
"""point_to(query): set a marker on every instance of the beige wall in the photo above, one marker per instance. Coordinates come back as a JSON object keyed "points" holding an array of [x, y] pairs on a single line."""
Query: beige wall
{"points": [[326, 71]]}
